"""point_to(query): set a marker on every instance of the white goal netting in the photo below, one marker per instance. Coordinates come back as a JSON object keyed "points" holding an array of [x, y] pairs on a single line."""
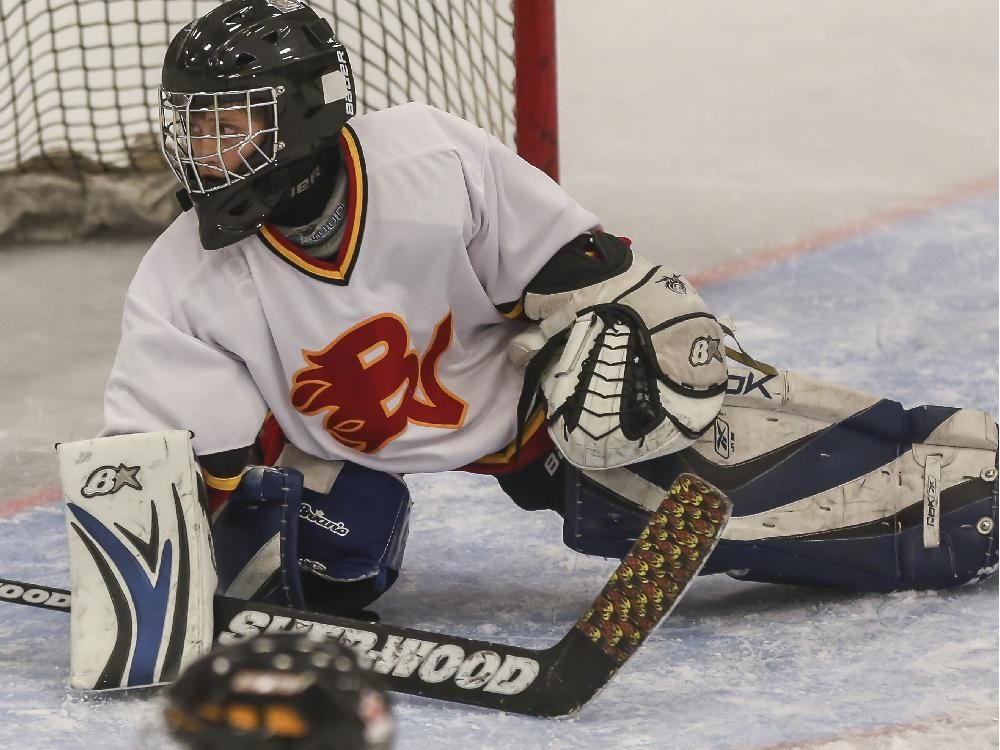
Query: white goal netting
{"points": [[78, 146]]}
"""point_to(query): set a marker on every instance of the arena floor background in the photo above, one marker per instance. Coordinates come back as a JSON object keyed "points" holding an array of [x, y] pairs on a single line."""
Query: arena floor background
{"points": [[828, 172]]}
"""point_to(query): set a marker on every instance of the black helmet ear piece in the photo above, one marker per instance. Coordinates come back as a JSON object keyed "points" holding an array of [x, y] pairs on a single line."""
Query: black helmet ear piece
{"points": [[237, 214], [310, 186]]}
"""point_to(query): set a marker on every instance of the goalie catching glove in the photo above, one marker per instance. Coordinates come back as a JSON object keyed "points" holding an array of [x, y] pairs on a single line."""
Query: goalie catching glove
{"points": [[627, 355]]}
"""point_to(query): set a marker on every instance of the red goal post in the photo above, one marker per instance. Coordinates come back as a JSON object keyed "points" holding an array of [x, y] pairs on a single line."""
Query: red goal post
{"points": [[80, 78], [536, 84]]}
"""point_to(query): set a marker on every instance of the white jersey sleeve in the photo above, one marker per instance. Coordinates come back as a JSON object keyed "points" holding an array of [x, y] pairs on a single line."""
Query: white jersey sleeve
{"points": [[520, 216], [165, 377]]}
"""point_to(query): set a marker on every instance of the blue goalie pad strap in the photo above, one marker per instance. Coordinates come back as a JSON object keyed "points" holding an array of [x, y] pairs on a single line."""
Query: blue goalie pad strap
{"points": [[274, 529], [596, 521], [256, 538]]}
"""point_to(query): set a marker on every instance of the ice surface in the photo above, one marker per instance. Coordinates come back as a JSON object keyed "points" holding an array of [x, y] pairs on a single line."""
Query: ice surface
{"points": [[908, 311]]}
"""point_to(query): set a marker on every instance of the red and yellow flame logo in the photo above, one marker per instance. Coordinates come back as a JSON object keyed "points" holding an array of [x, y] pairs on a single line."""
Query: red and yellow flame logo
{"points": [[372, 383]]}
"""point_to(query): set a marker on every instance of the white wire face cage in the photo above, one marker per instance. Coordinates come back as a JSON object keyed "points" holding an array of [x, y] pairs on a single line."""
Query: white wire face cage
{"points": [[212, 140]]}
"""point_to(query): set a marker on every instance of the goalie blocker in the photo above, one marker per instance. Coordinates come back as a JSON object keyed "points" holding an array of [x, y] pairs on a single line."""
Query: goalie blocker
{"points": [[141, 567]]}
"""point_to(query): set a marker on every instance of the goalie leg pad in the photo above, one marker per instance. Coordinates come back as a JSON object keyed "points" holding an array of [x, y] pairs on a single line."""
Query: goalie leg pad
{"points": [[141, 569], [830, 487], [279, 541], [886, 499]]}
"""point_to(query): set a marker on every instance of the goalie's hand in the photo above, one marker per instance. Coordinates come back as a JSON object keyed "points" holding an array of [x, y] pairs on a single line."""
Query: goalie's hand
{"points": [[633, 366]]}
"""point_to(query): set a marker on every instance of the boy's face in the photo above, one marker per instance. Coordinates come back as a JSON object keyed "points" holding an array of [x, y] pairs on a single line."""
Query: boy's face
{"points": [[226, 140]]}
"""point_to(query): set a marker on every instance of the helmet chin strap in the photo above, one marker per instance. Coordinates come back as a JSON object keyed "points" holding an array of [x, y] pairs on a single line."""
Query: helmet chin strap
{"points": [[311, 180], [305, 186]]}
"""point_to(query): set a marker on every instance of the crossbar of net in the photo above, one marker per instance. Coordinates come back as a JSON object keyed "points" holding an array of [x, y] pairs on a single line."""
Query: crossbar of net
{"points": [[80, 76]]}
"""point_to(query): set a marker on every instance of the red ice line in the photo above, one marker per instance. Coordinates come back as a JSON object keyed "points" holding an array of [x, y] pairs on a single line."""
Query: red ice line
{"points": [[35, 500], [891, 732], [735, 268], [717, 275]]}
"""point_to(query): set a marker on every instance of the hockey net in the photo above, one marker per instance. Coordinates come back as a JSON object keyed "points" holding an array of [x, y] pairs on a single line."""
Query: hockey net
{"points": [[79, 148]]}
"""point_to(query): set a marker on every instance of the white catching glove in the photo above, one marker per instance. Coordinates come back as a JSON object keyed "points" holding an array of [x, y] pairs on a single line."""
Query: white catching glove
{"points": [[632, 367]]}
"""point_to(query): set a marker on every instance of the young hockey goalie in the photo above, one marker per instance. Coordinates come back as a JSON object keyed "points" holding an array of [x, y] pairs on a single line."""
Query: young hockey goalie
{"points": [[356, 298]]}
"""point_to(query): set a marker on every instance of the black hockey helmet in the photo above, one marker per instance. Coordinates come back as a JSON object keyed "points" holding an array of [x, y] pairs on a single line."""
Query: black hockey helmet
{"points": [[278, 692], [251, 93]]}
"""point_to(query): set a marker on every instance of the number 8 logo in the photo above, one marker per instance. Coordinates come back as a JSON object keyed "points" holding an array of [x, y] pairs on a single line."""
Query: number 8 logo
{"points": [[704, 350], [100, 482], [106, 480]]}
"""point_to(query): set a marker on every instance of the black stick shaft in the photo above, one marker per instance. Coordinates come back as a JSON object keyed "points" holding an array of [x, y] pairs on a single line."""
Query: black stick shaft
{"points": [[34, 595]]}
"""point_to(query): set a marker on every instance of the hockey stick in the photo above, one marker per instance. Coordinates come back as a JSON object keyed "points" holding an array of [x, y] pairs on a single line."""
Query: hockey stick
{"points": [[556, 681]]}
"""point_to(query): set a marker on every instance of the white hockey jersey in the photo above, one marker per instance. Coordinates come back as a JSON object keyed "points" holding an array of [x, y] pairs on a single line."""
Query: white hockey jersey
{"points": [[393, 354]]}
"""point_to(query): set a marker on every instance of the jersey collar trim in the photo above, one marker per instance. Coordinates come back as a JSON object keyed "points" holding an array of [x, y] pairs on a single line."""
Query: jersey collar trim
{"points": [[338, 270]]}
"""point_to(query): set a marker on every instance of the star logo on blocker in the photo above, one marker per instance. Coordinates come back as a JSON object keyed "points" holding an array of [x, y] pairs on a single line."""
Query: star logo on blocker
{"points": [[715, 350], [126, 476], [704, 349], [107, 480]]}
